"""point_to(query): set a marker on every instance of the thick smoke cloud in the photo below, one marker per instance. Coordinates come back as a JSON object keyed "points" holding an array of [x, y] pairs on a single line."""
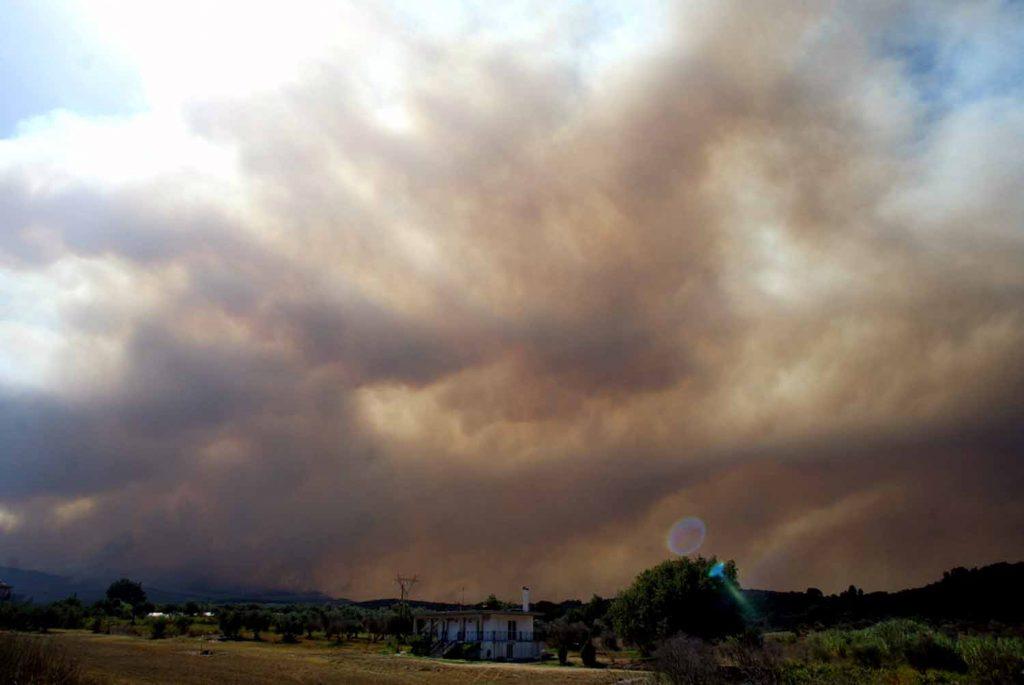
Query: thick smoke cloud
{"points": [[769, 273]]}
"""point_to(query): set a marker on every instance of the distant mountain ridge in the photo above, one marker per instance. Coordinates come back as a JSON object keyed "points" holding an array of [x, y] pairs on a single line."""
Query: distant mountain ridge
{"points": [[47, 587], [42, 587], [987, 593]]}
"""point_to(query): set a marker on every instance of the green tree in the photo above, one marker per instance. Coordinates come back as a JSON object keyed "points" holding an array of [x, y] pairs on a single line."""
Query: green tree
{"points": [[590, 613], [70, 612], [333, 624], [564, 635], [376, 624], [256, 620], [289, 625], [312, 620], [126, 591], [399, 620], [230, 622], [691, 596], [494, 603]]}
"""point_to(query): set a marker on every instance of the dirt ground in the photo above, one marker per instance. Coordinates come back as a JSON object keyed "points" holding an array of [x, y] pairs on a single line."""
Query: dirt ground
{"points": [[124, 660]]}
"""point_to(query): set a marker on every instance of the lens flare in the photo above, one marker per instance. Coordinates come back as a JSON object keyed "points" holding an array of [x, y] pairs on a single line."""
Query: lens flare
{"points": [[686, 536], [717, 570]]}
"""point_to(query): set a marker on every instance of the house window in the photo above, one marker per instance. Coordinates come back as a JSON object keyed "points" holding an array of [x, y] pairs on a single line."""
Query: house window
{"points": [[511, 630]]}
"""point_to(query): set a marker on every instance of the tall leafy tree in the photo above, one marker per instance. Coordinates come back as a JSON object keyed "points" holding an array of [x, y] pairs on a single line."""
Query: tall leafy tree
{"points": [[696, 597], [128, 591]]}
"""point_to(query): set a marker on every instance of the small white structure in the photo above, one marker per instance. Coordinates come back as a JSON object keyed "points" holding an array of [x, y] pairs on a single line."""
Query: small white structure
{"points": [[502, 634]]}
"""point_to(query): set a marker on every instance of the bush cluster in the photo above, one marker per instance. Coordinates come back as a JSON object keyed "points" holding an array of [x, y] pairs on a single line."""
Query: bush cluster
{"points": [[897, 650]]}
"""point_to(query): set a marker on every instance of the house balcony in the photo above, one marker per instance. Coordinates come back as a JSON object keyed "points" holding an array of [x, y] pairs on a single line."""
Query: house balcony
{"points": [[493, 636]]}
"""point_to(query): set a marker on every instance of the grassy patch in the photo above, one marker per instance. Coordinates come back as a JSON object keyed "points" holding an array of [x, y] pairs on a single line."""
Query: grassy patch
{"points": [[127, 660], [35, 660]]}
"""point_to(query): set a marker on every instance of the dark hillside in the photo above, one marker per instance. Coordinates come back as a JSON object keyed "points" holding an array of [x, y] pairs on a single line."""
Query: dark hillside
{"points": [[989, 593]]}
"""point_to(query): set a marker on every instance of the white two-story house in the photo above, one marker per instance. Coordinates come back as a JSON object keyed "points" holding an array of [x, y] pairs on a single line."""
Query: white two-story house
{"points": [[503, 634]]}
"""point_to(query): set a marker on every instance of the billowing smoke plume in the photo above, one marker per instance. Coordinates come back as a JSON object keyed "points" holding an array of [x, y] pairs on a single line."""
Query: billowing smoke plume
{"points": [[768, 271]]}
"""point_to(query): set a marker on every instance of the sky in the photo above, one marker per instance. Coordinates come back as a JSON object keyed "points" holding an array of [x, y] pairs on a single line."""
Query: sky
{"points": [[306, 294]]}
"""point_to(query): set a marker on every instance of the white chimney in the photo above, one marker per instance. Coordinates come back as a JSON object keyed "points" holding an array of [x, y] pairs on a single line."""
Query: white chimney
{"points": [[526, 599]]}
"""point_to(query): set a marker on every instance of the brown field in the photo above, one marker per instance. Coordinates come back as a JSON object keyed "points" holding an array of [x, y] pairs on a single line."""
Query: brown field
{"points": [[119, 659]]}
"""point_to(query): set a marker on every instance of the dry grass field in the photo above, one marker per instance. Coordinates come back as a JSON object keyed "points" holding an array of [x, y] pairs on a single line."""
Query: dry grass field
{"points": [[124, 660]]}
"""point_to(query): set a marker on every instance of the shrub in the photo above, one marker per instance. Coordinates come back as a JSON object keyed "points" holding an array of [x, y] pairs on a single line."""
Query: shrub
{"points": [[827, 645], [158, 628], [588, 654], [797, 673], [37, 661], [230, 623], [197, 630], [182, 622], [891, 643], [117, 628], [685, 660], [610, 641], [753, 660], [96, 624], [420, 645], [867, 653], [471, 651], [934, 650], [993, 659]]}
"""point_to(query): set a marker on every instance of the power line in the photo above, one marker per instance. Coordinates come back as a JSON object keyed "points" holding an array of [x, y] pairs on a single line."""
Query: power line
{"points": [[405, 584]]}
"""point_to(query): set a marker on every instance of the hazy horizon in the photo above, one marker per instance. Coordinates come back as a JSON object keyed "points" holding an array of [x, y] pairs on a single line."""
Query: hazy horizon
{"points": [[306, 294]]}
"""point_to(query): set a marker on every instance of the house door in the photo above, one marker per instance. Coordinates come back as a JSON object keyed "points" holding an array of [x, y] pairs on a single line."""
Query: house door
{"points": [[509, 649]]}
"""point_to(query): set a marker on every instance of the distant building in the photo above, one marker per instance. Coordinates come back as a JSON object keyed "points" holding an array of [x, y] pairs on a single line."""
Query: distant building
{"points": [[5, 592], [501, 634]]}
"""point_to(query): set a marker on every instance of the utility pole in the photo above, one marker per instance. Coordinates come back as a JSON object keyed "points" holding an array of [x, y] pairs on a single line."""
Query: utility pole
{"points": [[405, 584]]}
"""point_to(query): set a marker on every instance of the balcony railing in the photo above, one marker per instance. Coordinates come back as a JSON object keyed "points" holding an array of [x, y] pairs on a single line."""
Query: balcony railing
{"points": [[490, 636]]}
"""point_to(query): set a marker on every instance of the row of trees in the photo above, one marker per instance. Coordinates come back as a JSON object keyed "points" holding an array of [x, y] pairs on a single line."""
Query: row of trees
{"points": [[336, 623], [697, 597], [126, 601]]}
